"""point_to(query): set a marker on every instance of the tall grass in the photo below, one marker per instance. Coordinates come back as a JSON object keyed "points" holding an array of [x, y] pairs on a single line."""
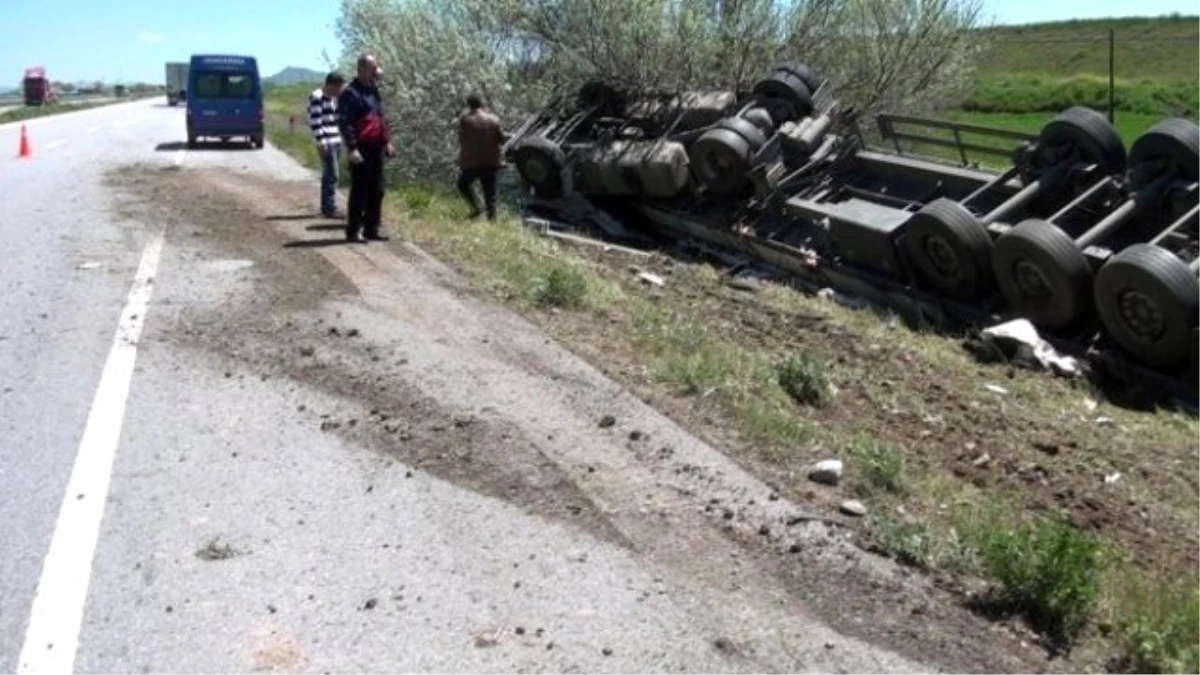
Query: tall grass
{"points": [[1031, 92]]}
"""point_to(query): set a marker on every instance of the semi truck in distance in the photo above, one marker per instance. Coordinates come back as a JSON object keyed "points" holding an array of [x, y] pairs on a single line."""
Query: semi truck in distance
{"points": [[37, 87], [177, 77]]}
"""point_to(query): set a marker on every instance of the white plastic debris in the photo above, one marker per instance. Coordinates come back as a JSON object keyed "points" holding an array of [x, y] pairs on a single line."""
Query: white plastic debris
{"points": [[1021, 337], [651, 278], [995, 388], [841, 298], [853, 507], [827, 472], [88, 266], [1111, 478]]}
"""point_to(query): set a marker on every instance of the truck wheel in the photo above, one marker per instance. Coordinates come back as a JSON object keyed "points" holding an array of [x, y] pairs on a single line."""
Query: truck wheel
{"points": [[802, 71], [257, 142], [785, 85], [951, 249], [722, 156], [541, 163], [1043, 274], [1084, 136], [1170, 147], [1148, 301], [191, 142]]}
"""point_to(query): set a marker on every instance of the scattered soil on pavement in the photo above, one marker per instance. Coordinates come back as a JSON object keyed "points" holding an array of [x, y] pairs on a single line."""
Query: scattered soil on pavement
{"points": [[1045, 460]]}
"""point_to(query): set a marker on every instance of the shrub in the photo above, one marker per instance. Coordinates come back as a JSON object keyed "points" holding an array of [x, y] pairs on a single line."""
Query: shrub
{"points": [[560, 286], [803, 377], [1047, 570], [1162, 629]]}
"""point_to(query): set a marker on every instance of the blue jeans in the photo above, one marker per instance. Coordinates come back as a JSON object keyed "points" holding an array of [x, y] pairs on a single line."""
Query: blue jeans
{"points": [[329, 180]]}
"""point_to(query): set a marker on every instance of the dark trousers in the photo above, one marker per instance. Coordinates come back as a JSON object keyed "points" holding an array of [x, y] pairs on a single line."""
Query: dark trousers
{"points": [[487, 179], [366, 193]]}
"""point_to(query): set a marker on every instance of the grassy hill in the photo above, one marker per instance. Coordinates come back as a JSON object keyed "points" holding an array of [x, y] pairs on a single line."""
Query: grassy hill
{"points": [[1144, 48], [292, 75], [1029, 73]]}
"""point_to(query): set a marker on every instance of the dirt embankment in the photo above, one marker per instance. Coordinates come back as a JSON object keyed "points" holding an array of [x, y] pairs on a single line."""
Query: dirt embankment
{"points": [[507, 415]]}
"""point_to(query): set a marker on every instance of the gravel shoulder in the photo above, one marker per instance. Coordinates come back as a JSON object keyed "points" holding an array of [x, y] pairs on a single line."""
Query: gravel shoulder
{"points": [[463, 391]]}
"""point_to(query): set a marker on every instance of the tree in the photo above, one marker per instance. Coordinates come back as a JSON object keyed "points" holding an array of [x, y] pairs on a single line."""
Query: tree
{"points": [[903, 55]]}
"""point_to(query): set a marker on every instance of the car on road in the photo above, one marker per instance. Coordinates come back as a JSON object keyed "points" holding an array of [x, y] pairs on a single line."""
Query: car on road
{"points": [[225, 99]]}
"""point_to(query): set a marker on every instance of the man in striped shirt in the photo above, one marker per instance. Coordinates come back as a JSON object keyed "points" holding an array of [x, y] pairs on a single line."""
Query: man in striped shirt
{"points": [[323, 121]]}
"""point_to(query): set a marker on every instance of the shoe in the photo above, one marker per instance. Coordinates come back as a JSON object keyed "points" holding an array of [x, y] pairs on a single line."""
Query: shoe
{"points": [[333, 215], [375, 236], [474, 215], [355, 239]]}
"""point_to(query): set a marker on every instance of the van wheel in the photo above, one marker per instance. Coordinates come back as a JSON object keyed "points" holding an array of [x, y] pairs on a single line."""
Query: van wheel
{"points": [[191, 142], [257, 142]]}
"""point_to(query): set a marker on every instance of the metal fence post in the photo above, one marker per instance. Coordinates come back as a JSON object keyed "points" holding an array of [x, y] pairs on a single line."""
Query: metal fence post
{"points": [[1112, 112]]}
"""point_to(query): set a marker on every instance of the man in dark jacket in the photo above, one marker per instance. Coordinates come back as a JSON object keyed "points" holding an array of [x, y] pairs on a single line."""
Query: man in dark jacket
{"points": [[367, 138], [479, 141]]}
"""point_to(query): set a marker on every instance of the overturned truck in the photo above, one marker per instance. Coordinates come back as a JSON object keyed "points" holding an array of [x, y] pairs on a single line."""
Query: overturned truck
{"points": [[1094, 244]]}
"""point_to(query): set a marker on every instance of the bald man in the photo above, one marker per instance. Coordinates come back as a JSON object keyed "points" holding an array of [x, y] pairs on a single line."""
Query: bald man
{"points": [[368, 140]]}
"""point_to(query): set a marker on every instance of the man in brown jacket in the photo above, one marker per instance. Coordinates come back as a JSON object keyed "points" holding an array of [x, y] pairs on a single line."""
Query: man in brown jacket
{"points": [[479, 141]]}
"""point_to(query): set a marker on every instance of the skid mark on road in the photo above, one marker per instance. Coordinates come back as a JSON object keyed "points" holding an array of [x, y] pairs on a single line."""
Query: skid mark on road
{"points": [[52, 637]]}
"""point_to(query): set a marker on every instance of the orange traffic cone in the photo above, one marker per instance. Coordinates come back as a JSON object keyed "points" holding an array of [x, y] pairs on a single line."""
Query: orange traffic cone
{"points": [[26, 150]]}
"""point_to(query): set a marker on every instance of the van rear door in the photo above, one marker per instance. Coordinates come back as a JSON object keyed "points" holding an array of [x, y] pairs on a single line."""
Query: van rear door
{"points": [[224, 101]]}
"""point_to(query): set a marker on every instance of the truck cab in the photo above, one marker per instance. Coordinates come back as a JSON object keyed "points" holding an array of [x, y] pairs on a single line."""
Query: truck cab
{"points": [[36, 87], [224, 99]]}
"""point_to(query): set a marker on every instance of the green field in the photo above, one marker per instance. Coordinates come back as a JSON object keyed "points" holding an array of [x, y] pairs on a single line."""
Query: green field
{"points": [[1028, 74], [1129, 125], [1144, 48]]}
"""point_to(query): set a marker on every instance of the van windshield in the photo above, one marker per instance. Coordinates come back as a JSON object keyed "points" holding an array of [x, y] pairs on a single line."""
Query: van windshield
{"points": [[223, 85]]}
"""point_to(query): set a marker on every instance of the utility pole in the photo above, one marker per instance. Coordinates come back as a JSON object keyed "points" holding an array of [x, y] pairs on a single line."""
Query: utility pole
{"points": [[1112, 114]]}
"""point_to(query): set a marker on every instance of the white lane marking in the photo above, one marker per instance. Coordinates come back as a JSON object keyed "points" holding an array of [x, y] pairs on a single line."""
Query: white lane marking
{"points": [[180, 156], [55, 144], [96, 128], [52, 638]]}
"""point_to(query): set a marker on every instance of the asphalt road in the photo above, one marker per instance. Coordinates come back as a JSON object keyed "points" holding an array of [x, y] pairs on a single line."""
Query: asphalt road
{"points": [[122, 456]]}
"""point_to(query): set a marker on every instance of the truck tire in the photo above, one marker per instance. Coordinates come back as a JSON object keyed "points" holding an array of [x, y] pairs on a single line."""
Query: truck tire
{"points": [[802, 71], [257, 142], [1149, 301], [541, 163], [1083, 135], [950, 248], [785, 85], [1171, 146], [1043, 274], [722, 156], [191, 142]]}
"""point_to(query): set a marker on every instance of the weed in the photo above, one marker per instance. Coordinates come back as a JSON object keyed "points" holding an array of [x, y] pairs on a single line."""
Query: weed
{"points": [[1160, 627], [803, 377], [909, 543], [698, 372], [763, 421], [1047, 570], [879, 466], [417, 200], [559, 286]]}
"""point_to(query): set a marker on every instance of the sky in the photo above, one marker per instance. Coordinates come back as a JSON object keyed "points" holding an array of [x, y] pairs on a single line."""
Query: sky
{"points": [[130, 40]]}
